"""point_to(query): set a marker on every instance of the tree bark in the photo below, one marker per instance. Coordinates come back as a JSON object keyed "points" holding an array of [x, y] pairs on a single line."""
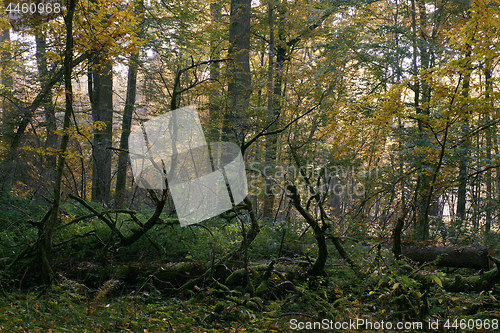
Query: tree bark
{"points": [[239, 91], [396, 236], [422, 107], [100, 81], [123, 160], [268, 194], [497, 169], [275, 79], [248, 236], [239, 87]]}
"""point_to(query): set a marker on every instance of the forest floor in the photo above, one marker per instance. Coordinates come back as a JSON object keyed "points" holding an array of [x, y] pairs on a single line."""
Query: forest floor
{"points": [[176, 280], [387, 296]]}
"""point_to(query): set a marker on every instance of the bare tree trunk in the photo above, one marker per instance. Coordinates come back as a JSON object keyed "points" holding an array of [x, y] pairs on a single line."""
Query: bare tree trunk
{"points": [[214, 99], [123, 160], [8, 117], [422, 98], [239, 91], [239, 87], [464, 149], [420, 220], [7, 83], [100, 81], [128, 110], [270, 155], [47, 228], [49, 108], [489, 133], [425, 181], [497, 171], [274, 110]]}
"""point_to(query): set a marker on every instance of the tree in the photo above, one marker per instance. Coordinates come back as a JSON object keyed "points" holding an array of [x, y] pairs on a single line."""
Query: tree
{"points": [[215, 101], [107, 25], [7, 81], [130, 98], [100, 81], [239, 86], [47, 226], [48, 105], [274, 89]]}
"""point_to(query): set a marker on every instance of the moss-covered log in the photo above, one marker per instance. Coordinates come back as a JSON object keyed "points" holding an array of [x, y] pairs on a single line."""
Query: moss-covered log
{"points": [[171, 275], [458, 283], [472, 283], [465, 257]]}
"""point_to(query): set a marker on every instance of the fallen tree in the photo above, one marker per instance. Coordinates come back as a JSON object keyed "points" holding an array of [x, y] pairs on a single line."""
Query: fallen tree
{"points": [[463, 257], [459, 283]]}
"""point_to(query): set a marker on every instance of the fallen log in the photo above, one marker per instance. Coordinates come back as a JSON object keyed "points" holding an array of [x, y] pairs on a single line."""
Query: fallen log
{"points": [[463, 257], [161, 275], [483, 281]]}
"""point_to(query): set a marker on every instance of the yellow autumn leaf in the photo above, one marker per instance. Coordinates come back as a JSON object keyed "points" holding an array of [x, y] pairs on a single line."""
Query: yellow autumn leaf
{"points": [[438, 281]]}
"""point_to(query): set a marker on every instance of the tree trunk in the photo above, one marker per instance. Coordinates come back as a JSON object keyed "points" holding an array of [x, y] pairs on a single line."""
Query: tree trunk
{"points": [[416, 104], [239, 91], [497, 169], [239, 87], [319, 233], [396, 236], [100, 81], [123, 160], [422, 97], [248, 236], [7, 85], [49, 109], [274, 106], [423, 108], [489, 134], [128, 110], [464, 151], [47, 227], [270, 155], [8, 117], [214, 98]]}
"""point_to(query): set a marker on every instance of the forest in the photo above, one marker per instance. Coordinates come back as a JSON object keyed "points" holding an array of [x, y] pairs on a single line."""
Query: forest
{"points": [[249, 165]]}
